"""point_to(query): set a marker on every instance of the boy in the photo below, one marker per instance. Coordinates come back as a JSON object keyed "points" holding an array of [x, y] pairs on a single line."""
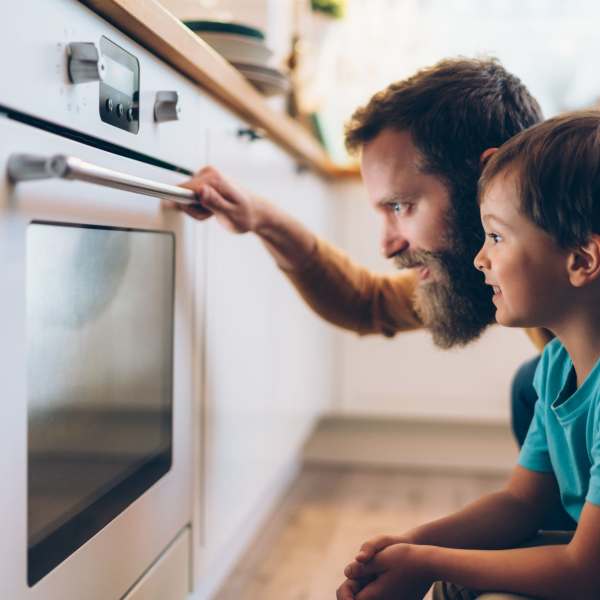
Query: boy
{"points": [[540, 209]]}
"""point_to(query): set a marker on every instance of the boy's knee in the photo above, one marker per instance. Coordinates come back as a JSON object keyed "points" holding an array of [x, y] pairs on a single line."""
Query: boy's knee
{"points": [[502, 596], [442, 590]]}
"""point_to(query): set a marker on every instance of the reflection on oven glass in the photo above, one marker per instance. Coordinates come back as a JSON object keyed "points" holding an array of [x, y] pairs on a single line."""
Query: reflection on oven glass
{"points": [[85, 270], [100, 351]]}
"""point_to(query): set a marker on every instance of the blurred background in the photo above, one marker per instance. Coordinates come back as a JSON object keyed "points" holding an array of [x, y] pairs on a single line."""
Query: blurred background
{"points": [[346, 50]]}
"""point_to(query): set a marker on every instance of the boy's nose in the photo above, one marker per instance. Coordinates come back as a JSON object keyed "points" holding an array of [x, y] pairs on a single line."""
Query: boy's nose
{"points": [[481, 261]]}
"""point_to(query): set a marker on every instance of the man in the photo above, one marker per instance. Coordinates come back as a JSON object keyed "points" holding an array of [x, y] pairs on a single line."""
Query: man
{"points": [[423, 142]]}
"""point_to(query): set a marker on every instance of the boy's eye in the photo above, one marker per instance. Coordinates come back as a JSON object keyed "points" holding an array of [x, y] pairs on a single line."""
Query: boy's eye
{"points": [[494, 237]]}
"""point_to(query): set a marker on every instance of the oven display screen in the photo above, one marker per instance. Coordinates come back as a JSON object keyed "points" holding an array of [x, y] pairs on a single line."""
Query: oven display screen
{"points": [[119, 77], [100, 371]]}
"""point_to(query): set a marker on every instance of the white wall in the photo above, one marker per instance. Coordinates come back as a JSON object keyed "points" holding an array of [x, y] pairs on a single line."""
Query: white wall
{"points": [[408, 376], [548, 44]]}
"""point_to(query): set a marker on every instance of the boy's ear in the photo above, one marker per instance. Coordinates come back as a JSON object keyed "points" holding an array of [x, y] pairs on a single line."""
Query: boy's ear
{"points": [[583, 264], [485, 156]]}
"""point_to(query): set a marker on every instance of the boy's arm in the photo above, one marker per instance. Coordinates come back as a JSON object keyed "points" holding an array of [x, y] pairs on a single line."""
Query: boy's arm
{"points": [[560, 571], [554, 572], [499, 520]]}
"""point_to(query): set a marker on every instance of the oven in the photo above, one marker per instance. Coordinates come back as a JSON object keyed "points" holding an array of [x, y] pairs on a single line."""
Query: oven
{"points": [[97, 285]]}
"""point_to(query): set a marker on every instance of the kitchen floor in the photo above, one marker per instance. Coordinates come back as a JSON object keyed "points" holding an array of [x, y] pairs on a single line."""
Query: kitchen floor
{"points": [[328, 513]]}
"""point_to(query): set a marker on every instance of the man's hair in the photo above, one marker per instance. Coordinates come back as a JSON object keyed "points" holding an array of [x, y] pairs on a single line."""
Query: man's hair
{"points": [[557, 170], [453, 110]]}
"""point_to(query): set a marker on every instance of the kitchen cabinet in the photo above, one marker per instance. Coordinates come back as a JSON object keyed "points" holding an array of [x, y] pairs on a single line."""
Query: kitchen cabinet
{"points": [[268, 363], [169, 577], [239, 333]]}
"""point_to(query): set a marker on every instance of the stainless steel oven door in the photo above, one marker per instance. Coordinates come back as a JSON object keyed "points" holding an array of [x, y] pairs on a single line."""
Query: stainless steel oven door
{"points": [[96, 368]]}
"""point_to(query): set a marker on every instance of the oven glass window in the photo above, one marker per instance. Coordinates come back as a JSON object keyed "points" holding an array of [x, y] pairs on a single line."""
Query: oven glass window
{"points": [[100, 372]]}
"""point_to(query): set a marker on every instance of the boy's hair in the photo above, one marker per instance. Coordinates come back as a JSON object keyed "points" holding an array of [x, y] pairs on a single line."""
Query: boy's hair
{"points": [[453, 110], [557, 170]]}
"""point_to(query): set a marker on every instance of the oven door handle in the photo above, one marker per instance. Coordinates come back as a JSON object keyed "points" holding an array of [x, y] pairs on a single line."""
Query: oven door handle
{"points": [[28, 167]]}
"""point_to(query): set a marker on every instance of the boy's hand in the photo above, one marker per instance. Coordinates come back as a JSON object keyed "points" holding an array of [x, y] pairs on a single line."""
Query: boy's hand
{"points": [[385, 587], [351, 587], [376, 544], [399, 572]]}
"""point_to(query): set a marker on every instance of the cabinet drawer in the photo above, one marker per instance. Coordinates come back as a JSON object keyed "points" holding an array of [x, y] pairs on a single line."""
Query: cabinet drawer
{"points": [[169, 576]]}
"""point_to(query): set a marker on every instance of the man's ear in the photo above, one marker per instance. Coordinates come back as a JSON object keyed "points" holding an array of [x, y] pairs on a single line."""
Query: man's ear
{"points": [[583, 263], [485, 156]]}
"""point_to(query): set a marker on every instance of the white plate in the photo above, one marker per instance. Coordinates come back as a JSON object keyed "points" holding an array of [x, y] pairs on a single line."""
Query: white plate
{"points": [[237, 48], [268, 80]]}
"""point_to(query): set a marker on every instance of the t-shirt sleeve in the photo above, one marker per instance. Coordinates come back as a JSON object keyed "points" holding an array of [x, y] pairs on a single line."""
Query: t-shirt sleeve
{"points": [[593, 494], [534, 453]]}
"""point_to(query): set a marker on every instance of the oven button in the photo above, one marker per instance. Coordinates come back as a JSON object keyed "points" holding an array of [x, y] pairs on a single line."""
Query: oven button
{"points": [[109, 104], [120, 109], [130, 114]]}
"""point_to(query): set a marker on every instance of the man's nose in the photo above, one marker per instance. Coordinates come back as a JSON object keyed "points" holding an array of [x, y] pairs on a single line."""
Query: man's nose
{"points": [[393, 243]]}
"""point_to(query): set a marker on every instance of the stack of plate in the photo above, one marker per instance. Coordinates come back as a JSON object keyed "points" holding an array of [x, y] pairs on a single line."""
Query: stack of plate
{"points": [[245, 48]]}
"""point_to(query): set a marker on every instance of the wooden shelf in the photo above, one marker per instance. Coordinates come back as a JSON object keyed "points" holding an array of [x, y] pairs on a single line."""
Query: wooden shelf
{"points": [[150, 24]]}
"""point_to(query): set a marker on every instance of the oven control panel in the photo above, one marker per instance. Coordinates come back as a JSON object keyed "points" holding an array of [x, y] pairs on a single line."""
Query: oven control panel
{"points": [[118, 73], [85, 77], [120, 87]]}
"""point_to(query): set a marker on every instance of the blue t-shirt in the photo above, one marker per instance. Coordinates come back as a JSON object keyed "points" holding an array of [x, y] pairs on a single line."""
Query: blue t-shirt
{"points": [[564, 436]]}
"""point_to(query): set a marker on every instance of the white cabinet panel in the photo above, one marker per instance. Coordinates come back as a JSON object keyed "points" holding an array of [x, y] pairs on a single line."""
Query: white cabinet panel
{"points": [[268, 360], [169, 577]]}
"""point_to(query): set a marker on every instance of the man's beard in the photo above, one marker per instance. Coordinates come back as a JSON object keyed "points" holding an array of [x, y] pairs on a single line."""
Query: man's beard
{"points": [[454, 303]]}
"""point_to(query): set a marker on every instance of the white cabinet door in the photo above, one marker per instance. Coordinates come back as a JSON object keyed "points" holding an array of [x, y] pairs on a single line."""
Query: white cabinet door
{"points": [[169, 577], [268, 360]]}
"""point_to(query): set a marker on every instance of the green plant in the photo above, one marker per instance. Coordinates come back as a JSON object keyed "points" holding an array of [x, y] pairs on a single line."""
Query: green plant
{"points": [[333, 8]]}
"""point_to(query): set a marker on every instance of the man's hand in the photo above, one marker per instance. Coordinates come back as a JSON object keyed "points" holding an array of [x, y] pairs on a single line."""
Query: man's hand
{"points": [[398, 570], [235, 209], [289, 242]]}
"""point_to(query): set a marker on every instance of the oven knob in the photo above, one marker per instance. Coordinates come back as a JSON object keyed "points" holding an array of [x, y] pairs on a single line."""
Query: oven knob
{"points": [[166, 107], [85, 62]]}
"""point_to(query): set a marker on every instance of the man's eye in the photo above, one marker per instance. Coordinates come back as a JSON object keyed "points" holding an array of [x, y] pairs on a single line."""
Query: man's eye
{"points": [[494, 237], [398, 207]]}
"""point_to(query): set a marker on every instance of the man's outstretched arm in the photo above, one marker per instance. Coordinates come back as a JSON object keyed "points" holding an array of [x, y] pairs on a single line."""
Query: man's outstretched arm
{"points": [[339, 290]]}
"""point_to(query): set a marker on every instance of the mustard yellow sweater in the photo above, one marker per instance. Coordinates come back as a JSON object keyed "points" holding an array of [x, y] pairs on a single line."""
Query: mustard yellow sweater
{"points": [[354, 298]]}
